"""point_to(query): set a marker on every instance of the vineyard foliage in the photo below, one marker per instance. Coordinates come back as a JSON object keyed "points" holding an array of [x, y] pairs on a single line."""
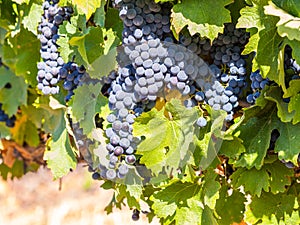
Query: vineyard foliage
{"points": [[224, 172]]}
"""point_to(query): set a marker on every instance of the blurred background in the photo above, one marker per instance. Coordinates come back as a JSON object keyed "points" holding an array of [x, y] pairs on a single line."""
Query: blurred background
{"points": [[35, 199]]}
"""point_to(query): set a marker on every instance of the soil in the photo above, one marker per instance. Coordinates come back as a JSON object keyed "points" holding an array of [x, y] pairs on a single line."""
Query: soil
{"points": [[35, 199]]}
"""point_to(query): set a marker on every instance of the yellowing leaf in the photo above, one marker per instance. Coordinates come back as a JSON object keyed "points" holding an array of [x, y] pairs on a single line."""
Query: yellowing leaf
{"points": [[86, 7]]}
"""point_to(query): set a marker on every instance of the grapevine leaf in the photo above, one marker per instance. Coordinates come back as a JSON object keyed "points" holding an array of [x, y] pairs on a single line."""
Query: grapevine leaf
{"points": [[64, 48], [232, 148], [112, 21], [13, 91], [17, 170], [208, 145], [86, 8], [294, 107], [174, 196], [210, 189], [132, 195], [293, 89], [235, 9], [25, 131], [247, 178], [51, 115], [288, 143], [89, 44], [272, 176], [268, 204], [33, 18], [296, 50], [167, 141], [257, 143], [279, 176], [87, 101], [265, 41], [230, 208], [201, 16], [60, 156], [99, 17], [104, 64], [4, 130], [288, 25], [22, 54], [274, 94], [291, 6]]}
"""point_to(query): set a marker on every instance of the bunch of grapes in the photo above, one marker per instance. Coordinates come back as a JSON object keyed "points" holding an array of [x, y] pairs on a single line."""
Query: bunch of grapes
{"points": [[228, 67], [72, 76], [48, 69], [257, 84], [9, 121], [292, 68]]}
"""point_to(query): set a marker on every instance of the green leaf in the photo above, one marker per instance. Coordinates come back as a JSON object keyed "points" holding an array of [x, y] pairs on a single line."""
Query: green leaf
{"points": [[53, 117], [279, 176], [33, 18], [99, 17], [21, 54], [208, 146], [13, 91], [60, 155], [4, 131], [288, 25], [17, 170], [167, 141], [274, 94], [89, 45], [201, 17], [232, 148], [64, 48], [131, 193], [230, 208], [273, 177], [256, 143], [294, 107], [167, 200], [113, 21], [107, 62], [265, 41], [269, 205], [86, 8], [248, 179], [103, 65], [188, 203], [210, 189], [87, 101], [288, 143], [291, 6]]}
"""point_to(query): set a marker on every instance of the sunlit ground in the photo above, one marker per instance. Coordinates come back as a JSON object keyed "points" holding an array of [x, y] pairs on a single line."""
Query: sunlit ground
{"points": [[35, 200]]}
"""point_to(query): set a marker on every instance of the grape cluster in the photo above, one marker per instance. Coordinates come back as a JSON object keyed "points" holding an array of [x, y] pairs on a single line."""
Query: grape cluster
{"points": [[144, 20], [292, 68], [9, 121], [72, 76], [150, 66], [48, 69], [137, 83], [257, 84], [228, 67]]}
